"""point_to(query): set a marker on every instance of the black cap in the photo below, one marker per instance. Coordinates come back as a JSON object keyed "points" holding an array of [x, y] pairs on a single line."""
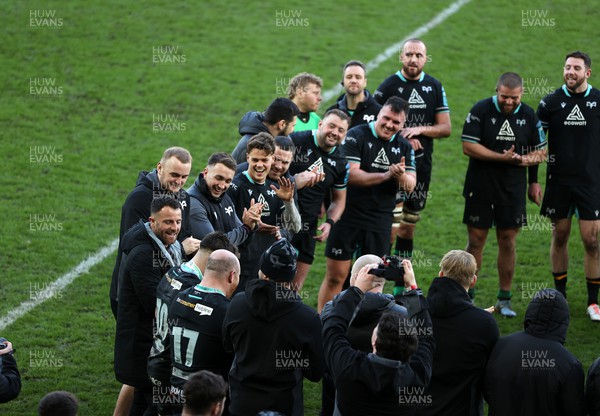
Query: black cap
{"points": [[278, 263]]}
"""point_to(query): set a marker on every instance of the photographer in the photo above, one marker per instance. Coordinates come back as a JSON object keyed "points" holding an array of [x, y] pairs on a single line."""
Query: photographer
{"points": [[373, 383], [375, 304], [10, 379]]}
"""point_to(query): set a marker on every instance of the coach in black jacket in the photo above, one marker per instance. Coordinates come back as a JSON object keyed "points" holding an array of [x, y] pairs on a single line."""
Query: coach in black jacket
{"points": [[275, 337], [149, 250], [531, 372], [392, 379], [464, 337]]}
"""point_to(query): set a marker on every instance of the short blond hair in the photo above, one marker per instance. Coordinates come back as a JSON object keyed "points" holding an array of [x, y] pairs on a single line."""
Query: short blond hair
{"points": [[460, 266], [179, 153], [302, 80]]}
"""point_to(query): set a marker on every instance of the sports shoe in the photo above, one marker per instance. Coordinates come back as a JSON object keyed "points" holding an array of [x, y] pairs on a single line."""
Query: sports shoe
{"points": [[504, 308], [594, 312]]}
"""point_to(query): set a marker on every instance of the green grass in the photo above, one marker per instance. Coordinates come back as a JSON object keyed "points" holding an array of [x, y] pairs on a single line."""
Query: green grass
{"points": [[235, 55]]}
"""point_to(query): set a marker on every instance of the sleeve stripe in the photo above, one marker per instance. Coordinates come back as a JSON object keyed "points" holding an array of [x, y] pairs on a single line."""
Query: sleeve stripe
{"points": [[352, 159], [466, 138]]}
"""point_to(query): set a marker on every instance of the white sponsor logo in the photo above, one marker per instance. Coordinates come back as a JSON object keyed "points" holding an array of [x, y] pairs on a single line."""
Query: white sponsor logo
{"points": [[229, 210], [416, 101], [203, 310], [382, 158], [575, 117], [506, 132]]}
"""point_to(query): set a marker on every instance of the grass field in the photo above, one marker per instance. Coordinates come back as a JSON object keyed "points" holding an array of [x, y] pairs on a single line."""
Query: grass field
{"points": [[95, 91]]}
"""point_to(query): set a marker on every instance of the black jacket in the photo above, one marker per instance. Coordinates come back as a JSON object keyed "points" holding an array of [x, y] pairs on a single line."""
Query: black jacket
{"points": [[250, 125], [368, 384], [592, 389], [143, 266], [210, 214], [464, 337], [531, 372], [365, 112], [277, 341], [10, 379], [137, 207]]}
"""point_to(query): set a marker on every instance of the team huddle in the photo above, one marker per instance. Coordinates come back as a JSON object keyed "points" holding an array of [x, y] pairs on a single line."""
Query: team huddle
{"points": [[210, 278]]}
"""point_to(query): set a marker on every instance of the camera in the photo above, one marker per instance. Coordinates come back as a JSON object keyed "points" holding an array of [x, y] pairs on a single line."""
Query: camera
{"points": [[390, 268], [3, 342]]}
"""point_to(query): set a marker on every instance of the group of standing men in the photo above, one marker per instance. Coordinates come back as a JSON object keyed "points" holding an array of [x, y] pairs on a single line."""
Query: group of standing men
{"points": [[370, 156]]}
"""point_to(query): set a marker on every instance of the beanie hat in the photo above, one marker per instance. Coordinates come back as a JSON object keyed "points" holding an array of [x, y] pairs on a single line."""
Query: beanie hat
{"points": [[278, 263]]}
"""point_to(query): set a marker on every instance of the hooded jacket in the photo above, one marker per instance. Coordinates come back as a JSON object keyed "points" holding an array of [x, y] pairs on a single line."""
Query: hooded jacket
{"points": [[365, 112], [531, 372], [464, 337], [143, 266], [10, 379], [137, 207], [251, 124], [277, 341], [208, 214], [366, 383]]}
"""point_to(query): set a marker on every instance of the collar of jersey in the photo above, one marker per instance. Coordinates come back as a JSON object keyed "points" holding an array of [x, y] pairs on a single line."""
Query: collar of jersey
{"points": [[372, 127], [250, 179], [205, 289], [191, 267], [566, 90], [314, 133], [495, 98], [399, 73]]}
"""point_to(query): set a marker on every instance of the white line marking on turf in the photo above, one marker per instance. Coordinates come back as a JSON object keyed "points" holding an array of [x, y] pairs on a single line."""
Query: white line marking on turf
{"points": [[59, 284], [395, 48], [83, 267]]}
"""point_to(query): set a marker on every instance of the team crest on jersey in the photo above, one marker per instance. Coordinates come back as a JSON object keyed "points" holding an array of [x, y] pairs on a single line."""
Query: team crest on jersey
{"points": [[575, 117], [591, 104], [415, 100], [318, 165], [229, 210], [426, 89], [381, 161], [331, 162], [521, 122], [368, 118], [183, 205], [506, 132], [266, 210], [271, 193], [395, 150]]}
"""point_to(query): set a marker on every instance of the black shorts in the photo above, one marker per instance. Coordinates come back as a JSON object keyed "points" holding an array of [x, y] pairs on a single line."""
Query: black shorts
{"points": [[486, 215], [563, 198], [305, 244], [344, 240]]}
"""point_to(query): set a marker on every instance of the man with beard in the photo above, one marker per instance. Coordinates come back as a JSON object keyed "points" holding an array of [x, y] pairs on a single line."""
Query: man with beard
{"points": [[381, 162], [212, 209], [279, 214], [429, 119], [318, 151], [501, 136], [279, 119], [571, 116], [357, 102], [305, 91], [149, 250]]}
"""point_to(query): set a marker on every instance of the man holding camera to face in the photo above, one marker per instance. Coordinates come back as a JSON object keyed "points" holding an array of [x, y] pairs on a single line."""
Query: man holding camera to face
{"points": [[10, 379], [386, 381]]}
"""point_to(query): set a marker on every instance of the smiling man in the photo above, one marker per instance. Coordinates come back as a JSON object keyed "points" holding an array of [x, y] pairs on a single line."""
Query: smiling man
{"points": [[381, 163], [304, 90], [149, 250], [213, 210], [501, 136], [279, 216], [571, 115]]}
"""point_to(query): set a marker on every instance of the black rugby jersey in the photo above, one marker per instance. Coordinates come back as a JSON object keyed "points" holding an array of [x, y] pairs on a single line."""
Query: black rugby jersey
{"points": [[573, 125], [371, 207], [498, 182], [308, 156]]}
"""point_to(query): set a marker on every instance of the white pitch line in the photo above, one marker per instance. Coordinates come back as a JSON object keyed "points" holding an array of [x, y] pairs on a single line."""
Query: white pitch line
{"points": [[83, 267], [395, 48], [59, 284]]}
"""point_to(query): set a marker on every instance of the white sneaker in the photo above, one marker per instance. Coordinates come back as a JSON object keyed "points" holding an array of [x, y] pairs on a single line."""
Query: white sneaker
{"points": [[594, 312]]}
